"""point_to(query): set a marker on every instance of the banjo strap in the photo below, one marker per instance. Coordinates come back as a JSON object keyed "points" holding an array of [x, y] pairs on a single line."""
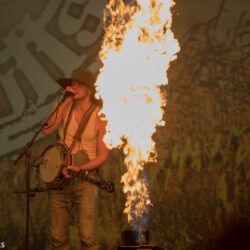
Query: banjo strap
{"points": [[68, 120], [81, 127]]}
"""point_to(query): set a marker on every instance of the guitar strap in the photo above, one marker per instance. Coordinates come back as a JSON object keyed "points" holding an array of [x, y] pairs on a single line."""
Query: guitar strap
{"points": [[81, 127]]}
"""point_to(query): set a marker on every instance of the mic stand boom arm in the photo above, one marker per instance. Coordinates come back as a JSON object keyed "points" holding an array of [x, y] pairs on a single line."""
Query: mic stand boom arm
{"points": [[27, 153], [28, 146]]}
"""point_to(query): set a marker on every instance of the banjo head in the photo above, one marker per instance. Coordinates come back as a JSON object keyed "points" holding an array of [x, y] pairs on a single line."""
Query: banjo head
{"points": [[52, 159]]}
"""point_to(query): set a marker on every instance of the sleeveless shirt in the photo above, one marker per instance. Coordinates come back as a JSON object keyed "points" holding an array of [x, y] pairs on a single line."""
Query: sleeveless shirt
{"points": [[88, 139]]}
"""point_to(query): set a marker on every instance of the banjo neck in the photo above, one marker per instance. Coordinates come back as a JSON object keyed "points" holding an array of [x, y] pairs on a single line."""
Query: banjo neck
{"points": [[108, 186]]}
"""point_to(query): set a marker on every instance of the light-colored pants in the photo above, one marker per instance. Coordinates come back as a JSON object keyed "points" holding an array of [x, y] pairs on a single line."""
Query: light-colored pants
{"points": [[84, 196]]}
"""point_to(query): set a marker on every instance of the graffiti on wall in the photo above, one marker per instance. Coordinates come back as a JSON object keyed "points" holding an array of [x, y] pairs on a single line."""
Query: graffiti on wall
{"points": [[64, 37]]}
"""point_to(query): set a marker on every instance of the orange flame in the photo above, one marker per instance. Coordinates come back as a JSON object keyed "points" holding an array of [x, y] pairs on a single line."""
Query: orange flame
{"points": [[137, 48]]}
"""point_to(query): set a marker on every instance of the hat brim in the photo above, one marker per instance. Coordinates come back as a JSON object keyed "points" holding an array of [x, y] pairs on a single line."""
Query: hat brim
{"points": [[65, 82]]}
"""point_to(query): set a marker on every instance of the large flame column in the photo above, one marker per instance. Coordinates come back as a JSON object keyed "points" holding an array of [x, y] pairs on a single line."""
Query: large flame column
{"points": [[137, 48]]}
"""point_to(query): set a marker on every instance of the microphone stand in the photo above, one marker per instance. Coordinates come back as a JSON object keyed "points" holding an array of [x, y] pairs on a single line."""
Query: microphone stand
{"points": [[27, 153]]}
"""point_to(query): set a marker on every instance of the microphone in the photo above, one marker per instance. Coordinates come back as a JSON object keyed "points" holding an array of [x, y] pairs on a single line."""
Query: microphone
{"points": [[65, 82], [67, 94]]}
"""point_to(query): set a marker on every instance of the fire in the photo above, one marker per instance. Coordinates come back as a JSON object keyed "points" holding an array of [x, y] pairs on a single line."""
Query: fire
{"points": [[137, 48]]}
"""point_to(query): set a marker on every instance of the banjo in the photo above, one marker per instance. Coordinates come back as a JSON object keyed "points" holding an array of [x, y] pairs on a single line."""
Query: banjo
{"points": [[55, 157]]}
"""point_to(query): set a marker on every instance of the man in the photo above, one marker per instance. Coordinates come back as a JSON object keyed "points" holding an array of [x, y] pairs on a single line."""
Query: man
{"points": [[81, 193]]}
